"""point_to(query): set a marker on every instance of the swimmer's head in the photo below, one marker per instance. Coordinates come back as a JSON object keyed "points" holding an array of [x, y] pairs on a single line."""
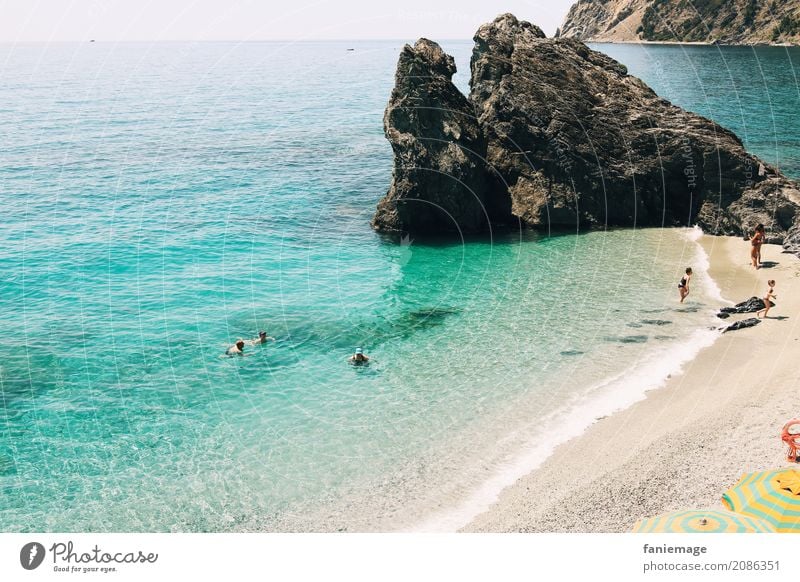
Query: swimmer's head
{"points": [[359, 351], [262, 334], [240, 344]]}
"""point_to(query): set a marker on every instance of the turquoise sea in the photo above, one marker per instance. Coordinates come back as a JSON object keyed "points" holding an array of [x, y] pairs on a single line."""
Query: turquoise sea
{"points": [[160, 201]]}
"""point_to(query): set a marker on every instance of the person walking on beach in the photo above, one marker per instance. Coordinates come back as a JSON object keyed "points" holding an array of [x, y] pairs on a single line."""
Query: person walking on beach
{"points": [[683, 286], [768, 298], [755, 245]]}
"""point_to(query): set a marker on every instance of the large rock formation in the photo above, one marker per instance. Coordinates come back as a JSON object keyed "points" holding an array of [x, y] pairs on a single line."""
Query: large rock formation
{"points": [[570, 139], [721, 21], [439, 178]]}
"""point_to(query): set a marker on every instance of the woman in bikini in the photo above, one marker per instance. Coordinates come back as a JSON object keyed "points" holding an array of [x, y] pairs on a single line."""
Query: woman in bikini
{"points": [[683, 286], [755, 246]]}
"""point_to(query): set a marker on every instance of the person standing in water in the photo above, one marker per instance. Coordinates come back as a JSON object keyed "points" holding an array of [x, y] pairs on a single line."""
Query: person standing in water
{"points": [[768, 298], [755, 245], [683, 286]]}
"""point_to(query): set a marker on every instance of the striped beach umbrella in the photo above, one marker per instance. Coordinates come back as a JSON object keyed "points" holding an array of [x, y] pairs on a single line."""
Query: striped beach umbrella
{"points": [[708, 521], [773, 496]]}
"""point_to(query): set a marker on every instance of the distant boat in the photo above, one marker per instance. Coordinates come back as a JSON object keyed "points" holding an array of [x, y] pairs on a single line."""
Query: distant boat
{"points": [[351, 49], [91, 40]]}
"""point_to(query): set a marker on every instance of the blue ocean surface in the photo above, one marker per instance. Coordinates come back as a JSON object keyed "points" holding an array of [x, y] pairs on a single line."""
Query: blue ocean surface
{"points": [[160, 201]]}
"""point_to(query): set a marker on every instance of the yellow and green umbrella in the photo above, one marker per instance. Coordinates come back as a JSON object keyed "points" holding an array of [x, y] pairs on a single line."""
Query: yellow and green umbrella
{"points": [[708, 521], [773, 496]]}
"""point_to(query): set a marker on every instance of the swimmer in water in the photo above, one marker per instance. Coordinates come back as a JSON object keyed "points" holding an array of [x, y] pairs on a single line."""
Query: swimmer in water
{"points": [[359, 358], [236, 349], [261, 339]]}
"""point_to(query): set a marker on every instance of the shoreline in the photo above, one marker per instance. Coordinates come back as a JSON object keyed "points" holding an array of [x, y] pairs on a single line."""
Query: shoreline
{"points": [[601, 398], [691, 43], [684, 443]]}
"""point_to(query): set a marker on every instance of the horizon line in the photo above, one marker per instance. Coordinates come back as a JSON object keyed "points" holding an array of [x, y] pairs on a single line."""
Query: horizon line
{"points": [[285, 40]]}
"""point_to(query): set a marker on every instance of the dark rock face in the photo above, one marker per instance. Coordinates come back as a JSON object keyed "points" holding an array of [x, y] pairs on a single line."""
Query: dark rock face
{"points": [[439, 179], [742, 324], [773, 202], [580, 142], [791, 243], [570, 140], [752, 305]]}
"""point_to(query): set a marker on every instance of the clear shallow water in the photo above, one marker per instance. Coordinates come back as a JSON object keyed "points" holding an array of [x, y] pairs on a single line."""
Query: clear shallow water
{"points": [[160, 201]]}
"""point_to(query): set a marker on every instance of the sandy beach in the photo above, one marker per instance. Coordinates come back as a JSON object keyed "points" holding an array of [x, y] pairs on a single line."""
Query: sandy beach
{"points": [[683, 445]]}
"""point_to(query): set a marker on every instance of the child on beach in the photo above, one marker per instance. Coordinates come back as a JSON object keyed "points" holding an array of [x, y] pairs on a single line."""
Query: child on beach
{"points": [[767, 300], [683, 286]]}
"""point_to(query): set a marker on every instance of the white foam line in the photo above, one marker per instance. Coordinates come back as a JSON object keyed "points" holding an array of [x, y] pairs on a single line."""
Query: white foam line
{"points": [[709, 285], [602, 399], [614, 395]]}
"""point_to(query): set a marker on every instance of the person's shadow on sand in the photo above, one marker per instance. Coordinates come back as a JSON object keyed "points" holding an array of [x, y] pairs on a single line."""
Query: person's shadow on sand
{"points": [[769, 264]]}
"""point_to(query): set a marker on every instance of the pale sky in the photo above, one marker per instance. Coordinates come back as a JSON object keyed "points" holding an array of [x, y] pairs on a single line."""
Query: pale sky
{"points": [[153, 20]]}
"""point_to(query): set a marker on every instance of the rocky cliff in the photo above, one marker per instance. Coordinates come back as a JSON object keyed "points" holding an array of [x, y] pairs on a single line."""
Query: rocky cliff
{"points": [[557, 135], [439, 177], [722, 21]]}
